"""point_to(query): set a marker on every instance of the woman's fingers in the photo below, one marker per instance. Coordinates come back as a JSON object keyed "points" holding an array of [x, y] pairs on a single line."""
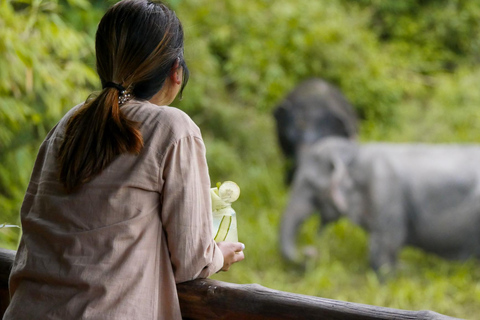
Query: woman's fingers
{"points": [[239, 256], [238, 246], [232, 253]]}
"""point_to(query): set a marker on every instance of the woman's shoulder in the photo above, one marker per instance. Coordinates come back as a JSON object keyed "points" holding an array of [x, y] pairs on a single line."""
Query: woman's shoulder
{"points": [[59, 128], [166, 119]]}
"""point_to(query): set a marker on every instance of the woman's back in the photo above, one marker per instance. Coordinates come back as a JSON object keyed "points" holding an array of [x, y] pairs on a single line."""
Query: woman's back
{"points": [[100, 252]]}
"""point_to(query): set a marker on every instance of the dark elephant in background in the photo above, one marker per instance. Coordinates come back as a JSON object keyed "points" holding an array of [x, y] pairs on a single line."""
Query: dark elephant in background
{"points": [[426, 196], [313, 110]]}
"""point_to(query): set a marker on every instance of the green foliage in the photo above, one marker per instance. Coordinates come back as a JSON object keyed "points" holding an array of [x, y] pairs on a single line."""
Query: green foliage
{"points": [[410, 68], [43, 72], [435, 47], [264, 49], [427, 28]]}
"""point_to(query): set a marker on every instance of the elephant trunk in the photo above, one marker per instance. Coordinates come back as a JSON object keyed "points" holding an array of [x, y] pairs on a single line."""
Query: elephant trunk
{"points": [[299, 208]]}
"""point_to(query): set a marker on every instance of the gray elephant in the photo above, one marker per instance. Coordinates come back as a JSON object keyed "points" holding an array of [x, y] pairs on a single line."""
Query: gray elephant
{"points": [[313, 110], [426, 196]]}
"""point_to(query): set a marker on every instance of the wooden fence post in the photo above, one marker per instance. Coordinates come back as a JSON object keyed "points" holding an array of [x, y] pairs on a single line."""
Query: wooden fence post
{"points": [[204, 299], [211, 299]]}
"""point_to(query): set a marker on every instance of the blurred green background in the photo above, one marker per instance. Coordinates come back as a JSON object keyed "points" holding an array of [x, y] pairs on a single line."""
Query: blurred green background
{"points": [[410, 68]]}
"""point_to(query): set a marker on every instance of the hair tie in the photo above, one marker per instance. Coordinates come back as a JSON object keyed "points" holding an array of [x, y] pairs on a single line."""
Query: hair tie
{"points": [[123, 94], [117, 86]]}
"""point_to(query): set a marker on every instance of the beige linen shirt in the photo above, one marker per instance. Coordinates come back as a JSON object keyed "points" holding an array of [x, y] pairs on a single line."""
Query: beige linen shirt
{"points": [[115, 248]]}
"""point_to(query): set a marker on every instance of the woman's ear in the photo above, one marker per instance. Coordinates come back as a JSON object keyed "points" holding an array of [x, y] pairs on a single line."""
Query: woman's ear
{"points": [[176, 72]]}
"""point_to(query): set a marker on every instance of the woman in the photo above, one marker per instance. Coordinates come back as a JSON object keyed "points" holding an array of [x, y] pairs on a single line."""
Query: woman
{"points": [[118, 208]]}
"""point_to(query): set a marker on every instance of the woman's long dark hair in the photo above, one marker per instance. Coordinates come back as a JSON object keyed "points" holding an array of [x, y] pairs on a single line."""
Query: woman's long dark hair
{"points": [[137, 44]]}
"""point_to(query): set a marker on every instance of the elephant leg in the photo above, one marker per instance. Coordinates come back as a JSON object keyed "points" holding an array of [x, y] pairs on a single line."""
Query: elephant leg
{"points": [[387, 217], [383, 253], [386, 243]]}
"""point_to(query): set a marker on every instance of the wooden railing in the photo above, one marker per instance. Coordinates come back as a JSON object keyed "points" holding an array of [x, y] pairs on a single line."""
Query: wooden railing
{"points": [[212, 299]]}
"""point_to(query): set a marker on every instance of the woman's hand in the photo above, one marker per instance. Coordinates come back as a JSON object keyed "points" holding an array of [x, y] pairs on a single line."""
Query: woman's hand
{"points": [[232, 252]]}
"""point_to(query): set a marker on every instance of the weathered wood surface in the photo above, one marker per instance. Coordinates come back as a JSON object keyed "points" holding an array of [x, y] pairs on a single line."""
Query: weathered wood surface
{"points": [[211, 299]]}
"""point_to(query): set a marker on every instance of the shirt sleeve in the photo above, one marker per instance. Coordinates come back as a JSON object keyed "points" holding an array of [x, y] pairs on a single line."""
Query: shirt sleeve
{"points": [[186, 211]]}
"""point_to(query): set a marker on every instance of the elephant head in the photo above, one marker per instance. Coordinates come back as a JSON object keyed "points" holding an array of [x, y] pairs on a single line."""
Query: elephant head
{"points": [[321, 183], [314, 110]]}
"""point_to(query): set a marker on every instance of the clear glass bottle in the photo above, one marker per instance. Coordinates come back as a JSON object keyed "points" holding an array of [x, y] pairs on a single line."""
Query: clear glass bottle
{"points": [[231, 231]]}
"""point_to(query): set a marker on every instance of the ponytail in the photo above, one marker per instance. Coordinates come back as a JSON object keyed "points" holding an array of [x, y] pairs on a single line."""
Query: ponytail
{"points": [[94, 136]]}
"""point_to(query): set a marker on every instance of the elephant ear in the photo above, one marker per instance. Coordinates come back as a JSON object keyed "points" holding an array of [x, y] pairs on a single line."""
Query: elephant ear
{"points": [[339, 177]]}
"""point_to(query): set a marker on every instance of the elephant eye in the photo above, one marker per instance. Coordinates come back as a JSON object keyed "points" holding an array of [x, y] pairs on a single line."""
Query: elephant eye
{"points": [[331, 166], [300, 123]]}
